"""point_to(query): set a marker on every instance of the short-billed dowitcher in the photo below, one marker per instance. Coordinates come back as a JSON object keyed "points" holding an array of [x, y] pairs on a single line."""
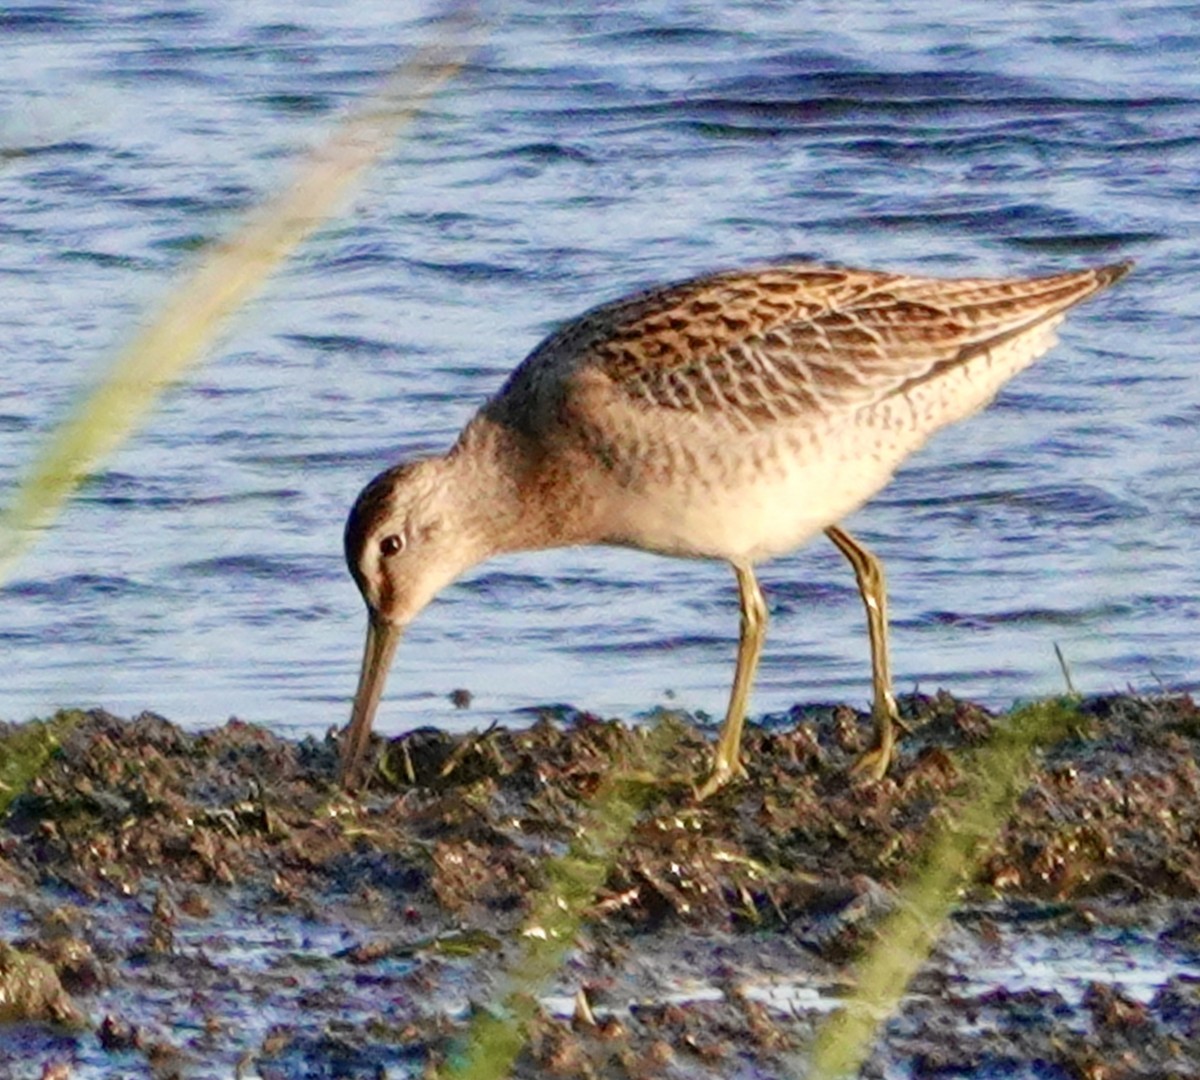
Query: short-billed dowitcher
{"points": [[729, 417]]}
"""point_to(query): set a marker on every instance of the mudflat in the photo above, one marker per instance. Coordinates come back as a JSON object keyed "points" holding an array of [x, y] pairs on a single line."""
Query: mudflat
{"points": [[207, 904]]}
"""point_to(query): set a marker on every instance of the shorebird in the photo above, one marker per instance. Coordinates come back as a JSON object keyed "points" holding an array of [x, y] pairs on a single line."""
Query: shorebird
{"points": [[732, 417]]}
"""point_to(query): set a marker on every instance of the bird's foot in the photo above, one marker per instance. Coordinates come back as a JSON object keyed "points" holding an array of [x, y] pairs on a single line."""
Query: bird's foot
{"points": [[723, 773], [873, 763]]}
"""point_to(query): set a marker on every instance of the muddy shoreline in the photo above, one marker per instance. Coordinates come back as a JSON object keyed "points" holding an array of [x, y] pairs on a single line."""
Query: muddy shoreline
{"points": [[207, 904]]}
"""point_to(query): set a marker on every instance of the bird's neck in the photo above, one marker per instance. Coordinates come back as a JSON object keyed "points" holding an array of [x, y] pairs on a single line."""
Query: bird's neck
{"points": [[512, 494]]}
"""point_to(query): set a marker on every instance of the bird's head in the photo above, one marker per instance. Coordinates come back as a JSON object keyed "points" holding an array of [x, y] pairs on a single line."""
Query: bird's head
{"points": [[402, 547], [404, 544]]}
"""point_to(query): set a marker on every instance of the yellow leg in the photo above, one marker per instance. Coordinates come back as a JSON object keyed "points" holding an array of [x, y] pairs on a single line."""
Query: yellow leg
{"points": [[872, 586], [728, 763]]}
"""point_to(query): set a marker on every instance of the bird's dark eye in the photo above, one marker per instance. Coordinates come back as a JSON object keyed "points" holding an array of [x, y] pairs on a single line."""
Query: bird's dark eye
{"points": [[392, 544]]}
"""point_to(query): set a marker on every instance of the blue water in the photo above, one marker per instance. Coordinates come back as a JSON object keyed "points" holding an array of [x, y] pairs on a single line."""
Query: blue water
{"points": [[587, 150]]}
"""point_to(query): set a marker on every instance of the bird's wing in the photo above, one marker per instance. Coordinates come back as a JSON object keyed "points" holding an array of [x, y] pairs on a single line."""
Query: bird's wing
{"points": [[796, 342]]}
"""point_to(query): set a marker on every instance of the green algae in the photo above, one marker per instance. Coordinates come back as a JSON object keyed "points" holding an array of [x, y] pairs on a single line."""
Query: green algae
{"points": [[25, 749]]}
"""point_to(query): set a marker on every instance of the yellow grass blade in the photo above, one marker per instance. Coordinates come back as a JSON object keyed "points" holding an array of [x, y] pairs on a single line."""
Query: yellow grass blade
{"points": [[495, 1037], [996, 776], [226, 277]]}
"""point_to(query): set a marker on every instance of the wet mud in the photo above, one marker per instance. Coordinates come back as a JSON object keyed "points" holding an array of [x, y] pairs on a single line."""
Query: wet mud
{"points": [[209, 904]]}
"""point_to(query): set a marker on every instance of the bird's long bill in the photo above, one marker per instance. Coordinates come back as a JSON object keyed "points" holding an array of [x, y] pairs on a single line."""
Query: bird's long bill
{"points": [[382, 639]]}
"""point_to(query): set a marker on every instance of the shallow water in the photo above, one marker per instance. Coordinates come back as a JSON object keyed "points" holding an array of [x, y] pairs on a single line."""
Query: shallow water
{"points": [[255, 974], [582, 154]]}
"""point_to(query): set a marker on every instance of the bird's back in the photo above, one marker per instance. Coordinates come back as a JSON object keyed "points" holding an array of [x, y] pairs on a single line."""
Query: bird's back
{"points": [[790, 342]]}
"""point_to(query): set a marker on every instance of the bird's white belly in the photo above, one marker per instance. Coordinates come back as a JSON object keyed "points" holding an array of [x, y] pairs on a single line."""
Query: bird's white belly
{"points": [[746, 512]]}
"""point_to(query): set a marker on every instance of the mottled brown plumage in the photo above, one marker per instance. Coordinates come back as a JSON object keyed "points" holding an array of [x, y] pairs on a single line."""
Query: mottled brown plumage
{"points": [[732, 416]]}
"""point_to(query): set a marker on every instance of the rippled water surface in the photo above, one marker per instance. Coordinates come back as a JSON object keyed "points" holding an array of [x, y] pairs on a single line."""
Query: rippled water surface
{"points": [[581, 154]]}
